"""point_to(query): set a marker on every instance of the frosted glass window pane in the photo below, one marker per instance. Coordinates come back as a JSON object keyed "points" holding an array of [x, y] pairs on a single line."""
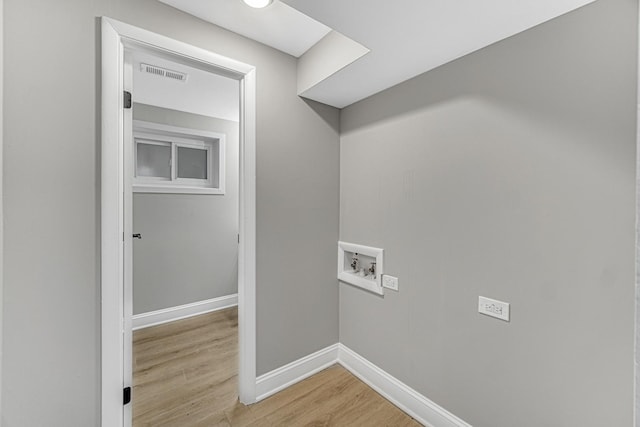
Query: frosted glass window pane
{"points": [[154, 160], [192, 163]]}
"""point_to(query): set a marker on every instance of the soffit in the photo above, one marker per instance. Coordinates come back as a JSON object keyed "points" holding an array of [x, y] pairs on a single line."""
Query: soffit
{"points": [[404, 38], [409, 37]]}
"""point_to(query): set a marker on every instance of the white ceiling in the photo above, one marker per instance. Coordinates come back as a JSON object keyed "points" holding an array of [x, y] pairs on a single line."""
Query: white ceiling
{"points": [[409, 37], [277, 25], [405, 38], [202, 93]]}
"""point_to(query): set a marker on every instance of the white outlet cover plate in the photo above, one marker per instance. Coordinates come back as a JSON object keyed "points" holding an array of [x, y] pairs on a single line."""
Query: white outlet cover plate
{"points": [[494, 308], [390, 282]]}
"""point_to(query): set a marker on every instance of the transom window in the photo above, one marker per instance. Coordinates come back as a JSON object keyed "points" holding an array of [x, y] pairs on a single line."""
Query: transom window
{"points": [[176, 160]]}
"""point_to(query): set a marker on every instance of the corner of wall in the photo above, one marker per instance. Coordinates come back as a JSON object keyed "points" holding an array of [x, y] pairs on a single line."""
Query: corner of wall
{"points": [[330, 55], [1, 193], [636, 353]]}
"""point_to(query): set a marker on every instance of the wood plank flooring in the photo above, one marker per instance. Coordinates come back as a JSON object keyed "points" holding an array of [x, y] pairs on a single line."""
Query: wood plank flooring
{"points": [[185, 374]]}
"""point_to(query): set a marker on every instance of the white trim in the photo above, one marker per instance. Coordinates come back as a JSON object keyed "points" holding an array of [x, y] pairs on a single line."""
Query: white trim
{"points": [[294, 372], [171, 314], [247, 247], [173, 136], [1, 193], [404, 397], [401, 395], [636, 322], [112, 357], [174, 189], [115, 36], [127, 202]]}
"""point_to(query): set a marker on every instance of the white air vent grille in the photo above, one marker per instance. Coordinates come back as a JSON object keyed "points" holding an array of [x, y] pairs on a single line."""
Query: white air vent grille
{"points": [[163, 72]]}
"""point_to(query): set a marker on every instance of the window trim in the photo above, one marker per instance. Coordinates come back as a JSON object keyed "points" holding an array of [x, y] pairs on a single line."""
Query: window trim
{"points": [[213, 142]]}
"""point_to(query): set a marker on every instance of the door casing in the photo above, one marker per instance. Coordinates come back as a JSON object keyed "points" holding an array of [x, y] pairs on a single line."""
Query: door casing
{"points": [[117, 38]]}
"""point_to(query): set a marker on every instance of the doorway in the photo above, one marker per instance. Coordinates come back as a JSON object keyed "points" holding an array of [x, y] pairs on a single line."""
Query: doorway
{"points": [[116, 228], [183, 188]]}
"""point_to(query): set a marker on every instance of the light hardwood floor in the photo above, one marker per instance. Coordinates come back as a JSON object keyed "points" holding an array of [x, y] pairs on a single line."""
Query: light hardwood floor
{"points": [[185, 374]]}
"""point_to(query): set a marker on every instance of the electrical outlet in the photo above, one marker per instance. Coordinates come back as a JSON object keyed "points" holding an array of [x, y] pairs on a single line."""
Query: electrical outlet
{"points": [[389, 282], [494, 308]]}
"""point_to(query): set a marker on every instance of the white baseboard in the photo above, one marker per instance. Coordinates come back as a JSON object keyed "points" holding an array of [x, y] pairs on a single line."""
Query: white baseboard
{"points": [[158, 317], [404, 397], [281, 378]]}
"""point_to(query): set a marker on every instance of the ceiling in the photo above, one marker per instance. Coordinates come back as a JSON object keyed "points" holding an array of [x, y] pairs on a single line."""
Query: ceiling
{"points": [[404, 38], [279, 26]]}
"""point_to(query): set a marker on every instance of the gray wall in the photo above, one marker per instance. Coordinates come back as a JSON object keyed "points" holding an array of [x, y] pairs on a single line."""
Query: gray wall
{"points": [[189, 249], [508, 173], [51, 200]]}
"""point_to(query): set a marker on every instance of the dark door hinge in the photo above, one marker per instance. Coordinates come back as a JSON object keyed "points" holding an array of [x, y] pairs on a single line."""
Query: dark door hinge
{"points": [[126, 395], [127, 99]]}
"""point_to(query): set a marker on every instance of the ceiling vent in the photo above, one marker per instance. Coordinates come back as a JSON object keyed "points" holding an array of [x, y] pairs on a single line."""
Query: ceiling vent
{"points": [[163, 72]]}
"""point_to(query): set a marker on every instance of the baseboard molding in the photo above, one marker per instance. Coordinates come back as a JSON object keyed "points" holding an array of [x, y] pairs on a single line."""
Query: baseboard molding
{"points": [[281, 378], [404, 397], [158, 317]]}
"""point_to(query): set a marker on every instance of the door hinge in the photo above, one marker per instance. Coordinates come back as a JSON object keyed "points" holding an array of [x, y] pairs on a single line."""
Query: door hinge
{"points": [[238, 239], [127, 99], [126, 395]]}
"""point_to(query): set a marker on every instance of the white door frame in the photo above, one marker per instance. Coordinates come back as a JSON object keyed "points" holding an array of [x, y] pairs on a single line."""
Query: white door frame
{"points": [[116, 36], [1, 191], [636, 320]]}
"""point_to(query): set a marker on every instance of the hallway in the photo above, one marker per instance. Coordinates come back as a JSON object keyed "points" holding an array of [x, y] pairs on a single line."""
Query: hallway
{"points": [[185, 374]]}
